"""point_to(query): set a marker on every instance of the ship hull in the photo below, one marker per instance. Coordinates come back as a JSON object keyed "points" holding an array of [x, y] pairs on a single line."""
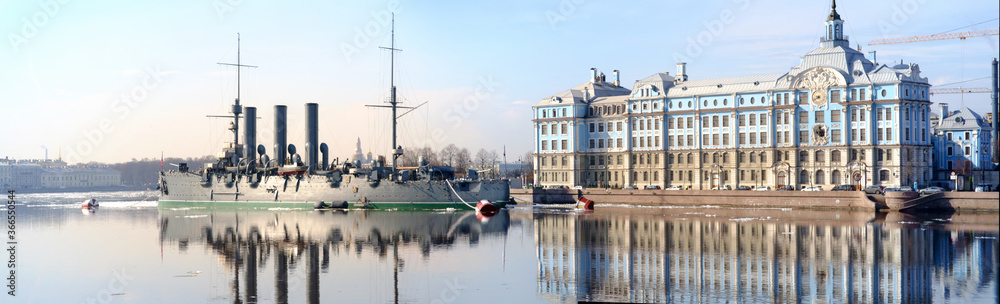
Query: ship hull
{"points": [[182, 189]]}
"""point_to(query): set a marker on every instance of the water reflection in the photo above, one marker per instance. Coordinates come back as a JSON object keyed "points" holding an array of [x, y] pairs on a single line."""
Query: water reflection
{"points": [[245, 241], [687, 255]]}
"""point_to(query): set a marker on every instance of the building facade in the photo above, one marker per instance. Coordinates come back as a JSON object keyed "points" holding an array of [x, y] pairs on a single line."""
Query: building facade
{"points": [[962, 142], [53, 174], [836, 118]]}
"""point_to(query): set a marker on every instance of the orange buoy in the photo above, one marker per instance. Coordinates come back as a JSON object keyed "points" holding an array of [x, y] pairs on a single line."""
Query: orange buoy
{"points": [[89, 203]]}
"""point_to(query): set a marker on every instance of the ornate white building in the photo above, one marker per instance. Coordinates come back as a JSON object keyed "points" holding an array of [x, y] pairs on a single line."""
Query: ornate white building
{"points": [[836, 118]]}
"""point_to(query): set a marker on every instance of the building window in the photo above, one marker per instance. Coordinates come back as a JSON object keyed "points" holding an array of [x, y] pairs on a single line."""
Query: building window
{"points": [[725, 140], [753, 138], [690, 140], [743, 138], [888, 134], [835, 136], [565, 144], [968, 136], [949, 136], [803, 117], [619, 143], [715, 139], [834, 116], [835, 96], [725, 121], [778, 137], [545, 129], [565, 130], [968, 150], [883, 93], [753, 119], [763, 138], [742, 119], [880, 134], [804, 137], [619, 125], [591, 127], [592, 143], [763, 119], [690, 122], [715, 121], [545, 145]]}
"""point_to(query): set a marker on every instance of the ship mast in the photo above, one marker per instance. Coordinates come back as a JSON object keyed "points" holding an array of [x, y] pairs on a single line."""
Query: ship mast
{"points": [[396, 150], [237, 109]]}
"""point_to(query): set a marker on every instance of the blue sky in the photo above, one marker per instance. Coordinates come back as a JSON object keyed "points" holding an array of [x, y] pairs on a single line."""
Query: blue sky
{"points": [[115, 80]]}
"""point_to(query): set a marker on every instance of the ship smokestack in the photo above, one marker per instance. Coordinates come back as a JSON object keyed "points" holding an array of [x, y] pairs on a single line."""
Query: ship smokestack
{"points": [[312, 135], [280, 133], [250, 134], [325, 151]]}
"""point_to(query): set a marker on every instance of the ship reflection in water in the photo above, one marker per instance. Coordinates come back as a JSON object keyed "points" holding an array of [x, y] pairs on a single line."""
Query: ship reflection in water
{"points": [[719, 256], [612, 254], [246, 241]]}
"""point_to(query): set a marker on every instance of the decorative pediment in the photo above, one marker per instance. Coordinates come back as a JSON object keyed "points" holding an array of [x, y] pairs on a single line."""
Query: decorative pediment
{"points": [[818, 80]]}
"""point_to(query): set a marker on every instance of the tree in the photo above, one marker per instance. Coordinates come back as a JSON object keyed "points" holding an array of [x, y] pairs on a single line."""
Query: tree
{"points": [[485, 157], [462, 160], [448, 154]]}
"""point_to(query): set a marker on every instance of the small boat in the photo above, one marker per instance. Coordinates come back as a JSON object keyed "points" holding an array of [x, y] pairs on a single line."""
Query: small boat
{"points": [[89, 203]]}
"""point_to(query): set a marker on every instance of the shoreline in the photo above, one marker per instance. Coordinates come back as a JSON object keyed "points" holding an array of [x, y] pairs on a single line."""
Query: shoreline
{"points": [[799, 200]]}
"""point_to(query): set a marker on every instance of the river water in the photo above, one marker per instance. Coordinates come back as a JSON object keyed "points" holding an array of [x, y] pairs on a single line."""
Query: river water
{"points": [[130, 251]]}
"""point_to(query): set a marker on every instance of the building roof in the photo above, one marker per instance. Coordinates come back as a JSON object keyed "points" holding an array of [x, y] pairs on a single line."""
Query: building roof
{"points": [[584, 94], [963, 119]]}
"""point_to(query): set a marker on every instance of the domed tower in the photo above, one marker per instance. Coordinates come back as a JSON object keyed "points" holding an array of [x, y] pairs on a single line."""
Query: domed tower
{"points": [[834, 29]]}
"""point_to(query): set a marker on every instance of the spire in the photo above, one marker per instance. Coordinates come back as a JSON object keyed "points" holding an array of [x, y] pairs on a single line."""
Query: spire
{"points": [[833, 12]]}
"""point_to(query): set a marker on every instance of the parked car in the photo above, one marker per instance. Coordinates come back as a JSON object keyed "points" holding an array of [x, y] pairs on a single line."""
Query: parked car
{"points": [[931, 190], [843, 188], [723, 187], [673, 188], [743, 188], [578, 187], [652, 187], [892, 189], [629, 188], [786, 188], [875, 190], [813, 188], [762, 188]]}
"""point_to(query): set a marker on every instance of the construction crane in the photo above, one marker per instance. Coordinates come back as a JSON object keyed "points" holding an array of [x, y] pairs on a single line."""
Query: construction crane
{"points": [[960, 90], [958, 35]]}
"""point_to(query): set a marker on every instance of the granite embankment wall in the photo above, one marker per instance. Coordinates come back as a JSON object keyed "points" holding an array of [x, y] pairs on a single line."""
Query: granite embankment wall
{"points": [[857, 200]]}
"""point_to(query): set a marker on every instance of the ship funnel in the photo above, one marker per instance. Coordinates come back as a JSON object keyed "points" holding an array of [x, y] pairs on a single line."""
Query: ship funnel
{"points": [[280, 119], [312, 135], [250, 134]]}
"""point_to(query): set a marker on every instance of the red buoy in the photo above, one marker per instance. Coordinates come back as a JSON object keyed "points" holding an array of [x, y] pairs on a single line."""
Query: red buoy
{"points": [[585, 203], [486, 208]]}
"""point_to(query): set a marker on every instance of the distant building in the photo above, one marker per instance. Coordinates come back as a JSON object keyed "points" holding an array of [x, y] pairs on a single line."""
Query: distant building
{"points": [[962, 142], [836, 118], [53, 174]]}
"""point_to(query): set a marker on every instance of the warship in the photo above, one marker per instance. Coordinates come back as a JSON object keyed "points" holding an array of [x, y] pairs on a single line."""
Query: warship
{"points": [[245, 175]]}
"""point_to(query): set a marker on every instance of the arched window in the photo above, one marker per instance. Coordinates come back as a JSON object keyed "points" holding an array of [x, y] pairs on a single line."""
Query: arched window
{"points": [[743, 157], [819, 177], [715, 158], [725, 157], [835, 178], [803, 156], [820, 156], [690, 158], [763, 157], [803, 177], [704, 158], [835, 156]]}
